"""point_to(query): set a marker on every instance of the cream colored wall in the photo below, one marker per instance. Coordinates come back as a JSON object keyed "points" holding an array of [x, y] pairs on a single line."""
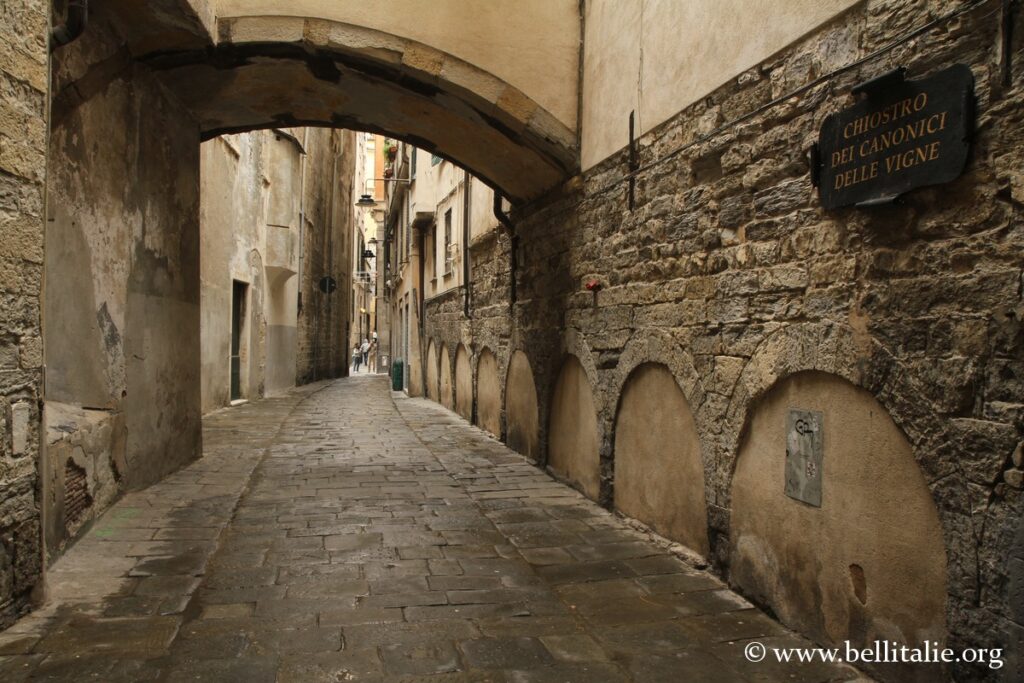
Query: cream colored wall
{"points": [[233, 223], [437, 188], [876, 514], [250, 213], [447, 396], [521, 407], [431, 372], [690, 48], [405, 277], [463, 383], [488, 392], [659, 475], [481, 210], [531, 44], [573, 442]]}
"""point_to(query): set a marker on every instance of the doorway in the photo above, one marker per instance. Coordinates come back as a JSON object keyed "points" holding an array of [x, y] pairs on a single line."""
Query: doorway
{"points": [[239, 292]]}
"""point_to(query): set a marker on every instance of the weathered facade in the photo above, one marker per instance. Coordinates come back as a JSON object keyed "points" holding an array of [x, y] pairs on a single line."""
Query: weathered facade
{"points": [[437, 214], [900, 324], [121, 279], [255, 237]]}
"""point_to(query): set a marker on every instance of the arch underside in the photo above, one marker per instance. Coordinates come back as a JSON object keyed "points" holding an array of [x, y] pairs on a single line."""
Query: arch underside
{"points": [[509, 143]]}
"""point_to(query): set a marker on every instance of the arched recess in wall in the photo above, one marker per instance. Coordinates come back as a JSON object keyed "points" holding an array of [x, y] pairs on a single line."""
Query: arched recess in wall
{"points": [[573, 443], [659, 473], [463, 383], [870, 562], [447, 396], [431, 371], [488, 392], [391, 69], [521, 412]]}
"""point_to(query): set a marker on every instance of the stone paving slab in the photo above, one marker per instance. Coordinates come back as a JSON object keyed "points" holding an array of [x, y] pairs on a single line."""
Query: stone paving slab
{"points": [[341, 533]]}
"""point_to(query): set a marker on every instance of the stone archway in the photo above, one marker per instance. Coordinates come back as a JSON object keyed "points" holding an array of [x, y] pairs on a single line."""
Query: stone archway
{"points": [[430, 371], [502, 105], [446, 395], [659, 473], [488, 392], [521, 410], [574, 441], [869, 563], [463, 383]]}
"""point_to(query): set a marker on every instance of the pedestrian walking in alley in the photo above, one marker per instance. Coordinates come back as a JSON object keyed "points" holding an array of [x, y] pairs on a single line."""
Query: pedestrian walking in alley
{"points": [[364, 348], [371, 363], [357, 357]]}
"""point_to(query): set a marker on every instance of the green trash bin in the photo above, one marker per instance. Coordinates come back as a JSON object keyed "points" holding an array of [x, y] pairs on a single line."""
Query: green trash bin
{"points": [[396, 375]]}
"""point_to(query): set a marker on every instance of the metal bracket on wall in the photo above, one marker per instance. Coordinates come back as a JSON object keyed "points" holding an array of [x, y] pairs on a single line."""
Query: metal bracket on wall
{"points": [[633, 164], [881, 83], [814, 162]]}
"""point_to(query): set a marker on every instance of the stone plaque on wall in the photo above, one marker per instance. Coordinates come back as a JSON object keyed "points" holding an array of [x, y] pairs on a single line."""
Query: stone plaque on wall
{"points": [[902, 135], [803, 456]]}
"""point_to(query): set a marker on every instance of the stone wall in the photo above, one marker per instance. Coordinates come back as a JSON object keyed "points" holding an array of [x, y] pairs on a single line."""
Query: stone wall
{"points": [[323, 330], [24, 26], [730, 274]]}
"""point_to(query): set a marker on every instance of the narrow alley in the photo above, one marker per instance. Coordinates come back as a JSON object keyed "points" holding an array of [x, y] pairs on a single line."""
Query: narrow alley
{"points": [[345, 532], [512, 340]]}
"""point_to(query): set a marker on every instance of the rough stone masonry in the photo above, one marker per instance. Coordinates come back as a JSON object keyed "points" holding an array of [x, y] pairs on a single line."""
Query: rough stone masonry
{"points": [[729, 273], [23, 106]]}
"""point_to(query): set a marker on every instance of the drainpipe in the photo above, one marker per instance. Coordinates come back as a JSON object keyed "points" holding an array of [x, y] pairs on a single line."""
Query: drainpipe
{"points": [[513, 257], [302, 218], [78, 18], [421, 241], [466, 189]]}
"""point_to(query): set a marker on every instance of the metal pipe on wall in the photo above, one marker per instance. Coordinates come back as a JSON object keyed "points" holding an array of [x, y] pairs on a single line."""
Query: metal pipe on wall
{"points": [[513, 257], [467, 189]]}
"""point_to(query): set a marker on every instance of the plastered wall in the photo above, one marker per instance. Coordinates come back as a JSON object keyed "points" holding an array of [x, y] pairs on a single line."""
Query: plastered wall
{"points": [[123, 272], [446, 394], [488, 393], [656, 57], [233, 220], [463, 383], [430, 372], [533, 45], [253, 203], [573, 446], [521, 413], [659, 471], [869, 563]]}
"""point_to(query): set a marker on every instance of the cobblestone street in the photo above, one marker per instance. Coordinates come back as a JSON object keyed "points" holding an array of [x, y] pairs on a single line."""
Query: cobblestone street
{"points": [[338, 533]]}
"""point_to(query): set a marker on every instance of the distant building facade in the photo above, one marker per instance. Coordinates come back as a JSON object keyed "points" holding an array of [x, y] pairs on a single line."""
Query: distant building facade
{"points": [[276, 238], [435, 211]]}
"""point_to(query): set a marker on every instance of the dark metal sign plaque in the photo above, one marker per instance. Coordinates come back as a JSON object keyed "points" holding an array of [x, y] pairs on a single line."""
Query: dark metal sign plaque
{"points": [[804, 452], [328, 284], [902, 135]]}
